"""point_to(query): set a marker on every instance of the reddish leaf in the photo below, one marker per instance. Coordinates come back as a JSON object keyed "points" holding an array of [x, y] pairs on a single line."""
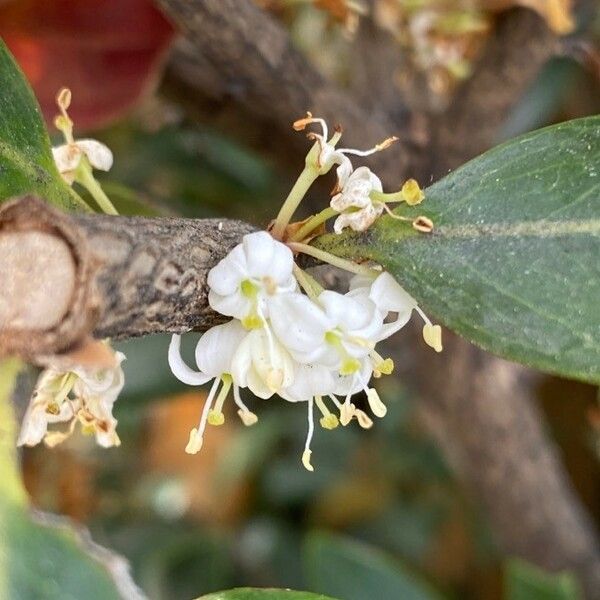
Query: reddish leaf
{"points": [[107, 51]]}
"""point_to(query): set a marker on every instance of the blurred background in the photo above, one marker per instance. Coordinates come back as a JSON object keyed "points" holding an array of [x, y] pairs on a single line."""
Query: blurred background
{"points": [[383, 516]]}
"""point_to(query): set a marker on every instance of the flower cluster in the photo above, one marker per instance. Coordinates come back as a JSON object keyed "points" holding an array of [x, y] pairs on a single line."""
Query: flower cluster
{"points": [[287, 334], [81, 387], [75, 394]]}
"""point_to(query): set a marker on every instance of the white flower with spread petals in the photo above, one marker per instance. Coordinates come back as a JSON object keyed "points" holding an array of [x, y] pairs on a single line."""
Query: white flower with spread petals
{"points": [[358, 210], [68, 157], [256, 270], [80, 394], [214, 356]]}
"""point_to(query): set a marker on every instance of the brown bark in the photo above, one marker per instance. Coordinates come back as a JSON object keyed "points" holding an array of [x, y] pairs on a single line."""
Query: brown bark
{"points": [[130, 276]]}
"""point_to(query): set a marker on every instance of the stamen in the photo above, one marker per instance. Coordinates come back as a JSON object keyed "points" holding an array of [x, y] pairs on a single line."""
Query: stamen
{"points": [[246, 415], [337, 403], [378, 408], [311, 429], [63, 122], [194, 444], [179, 368], [197, 434], [381, 366], [301, 124], [216, 416], [363, 419], [274, 379], [432, 334], [377, 148], [423, 224], [412, 192], [329, 420]]}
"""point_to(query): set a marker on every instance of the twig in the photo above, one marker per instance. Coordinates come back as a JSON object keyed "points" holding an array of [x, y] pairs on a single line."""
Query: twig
{"points": [[117, 277]]}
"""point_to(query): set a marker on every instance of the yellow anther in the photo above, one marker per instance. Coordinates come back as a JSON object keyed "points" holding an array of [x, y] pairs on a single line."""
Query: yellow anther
{"points": [[346, 413], [363, 419], [248, 288], [329, 421], [53, 408], [63, 99], [432, 334], [423, 224], [349, 366], [386, 143], [248, 418], [301, 124], [377, 406], [216, 418], [412, 193], [195, 442], [252, 322], [385, 367], [306, 460]]}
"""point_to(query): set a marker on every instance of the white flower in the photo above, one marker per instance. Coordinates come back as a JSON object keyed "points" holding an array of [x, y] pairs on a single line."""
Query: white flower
{"points": [[335, 333], [358, 210], [214, 356], [390, 297], [68, 156], [80, 394], [254, 271]]}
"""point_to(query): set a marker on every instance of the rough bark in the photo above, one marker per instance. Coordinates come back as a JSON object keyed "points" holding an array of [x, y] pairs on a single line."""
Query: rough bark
{"points": [[131, 275]]}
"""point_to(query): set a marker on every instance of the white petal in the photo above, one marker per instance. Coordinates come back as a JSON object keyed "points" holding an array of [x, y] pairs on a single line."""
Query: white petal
{"points": [[180, 369], [66, 157], [309, 381], [298, 322], [259, 248], [225, 277], [215, 350], [389, 295], [98, 154], [231, 305]]}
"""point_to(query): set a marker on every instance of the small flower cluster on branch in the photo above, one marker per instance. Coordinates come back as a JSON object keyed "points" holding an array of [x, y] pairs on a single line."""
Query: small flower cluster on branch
{"points": [[287, 334]]}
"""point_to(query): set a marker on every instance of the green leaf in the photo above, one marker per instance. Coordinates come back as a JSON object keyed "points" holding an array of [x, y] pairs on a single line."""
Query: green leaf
{"points": [[526, 582], [40, 561], [263, 594], [353, 571], [513, 262], [26, 163]]}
